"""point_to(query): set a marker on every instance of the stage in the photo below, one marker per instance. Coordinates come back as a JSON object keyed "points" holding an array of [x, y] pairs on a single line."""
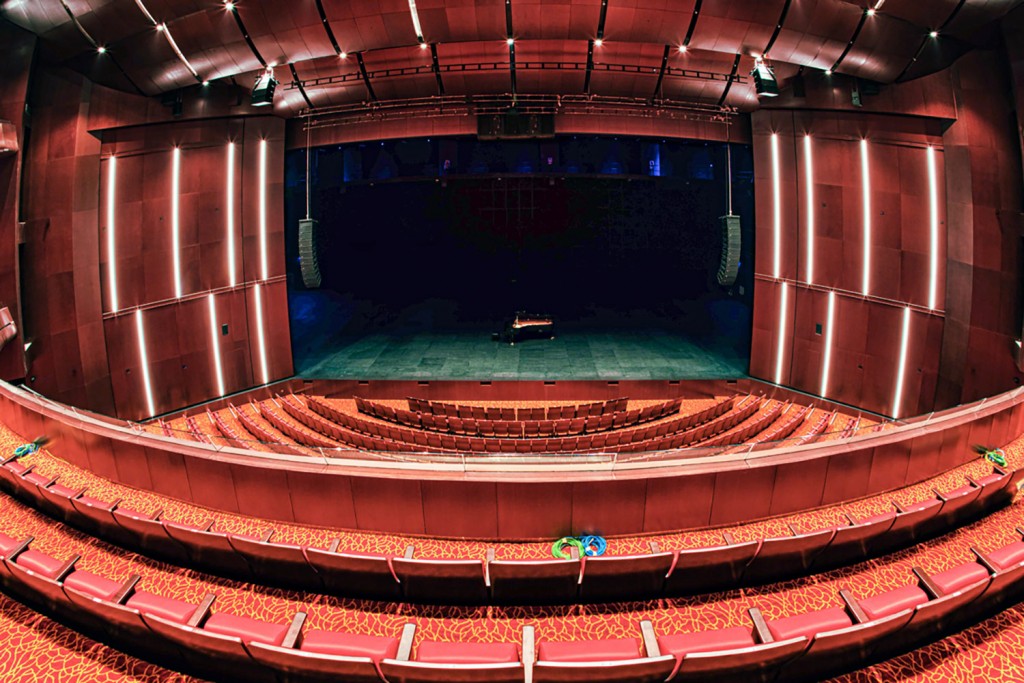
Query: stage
{"points": [[338, 337]]}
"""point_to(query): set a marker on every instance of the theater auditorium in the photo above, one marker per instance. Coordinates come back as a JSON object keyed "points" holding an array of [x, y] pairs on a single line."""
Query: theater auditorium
{"points": [[511, 341]]}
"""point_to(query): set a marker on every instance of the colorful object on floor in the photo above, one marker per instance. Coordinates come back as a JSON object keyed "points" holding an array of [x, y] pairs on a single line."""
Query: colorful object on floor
{"points": [[558, 549], [593, 546], [994, 455], [30, 448]]}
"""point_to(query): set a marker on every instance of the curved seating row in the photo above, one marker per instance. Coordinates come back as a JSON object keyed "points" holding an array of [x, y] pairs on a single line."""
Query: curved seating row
{"points": [[563, 412], [519, 428], [750, 429], [261, 434], [491, 580], [793, 647], [780, 432], [676, 433]]}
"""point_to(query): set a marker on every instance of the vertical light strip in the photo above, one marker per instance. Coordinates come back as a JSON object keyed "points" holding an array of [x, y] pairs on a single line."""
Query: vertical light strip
{"points": [[826, 367], [809, 221], [175, 219], [231, 213], [216, 344], [263, 209], [865, 175], [111, 231], [904, 342], [259, 333], [933, 256], [144, 361], [783, 314], [415, 20], [777, 207]]}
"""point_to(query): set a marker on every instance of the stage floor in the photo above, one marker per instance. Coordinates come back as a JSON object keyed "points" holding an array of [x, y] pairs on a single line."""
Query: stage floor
{"points": [[336, 338]]}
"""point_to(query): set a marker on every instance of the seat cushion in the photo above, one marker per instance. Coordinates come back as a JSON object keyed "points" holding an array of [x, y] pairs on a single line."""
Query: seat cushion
{"points": [[92, 584], [37, 478], [166, 608], [1008, 556], [249, 630], [589, 650], [921, 505], [891, 602], [95, 502], [349, 645], [7, 544], [434, 652], [877, 518], [809, 623], [16, 467], [990, 478], [62, 490], [39, 563], [961, 576], [682, 644], [962, 491]]}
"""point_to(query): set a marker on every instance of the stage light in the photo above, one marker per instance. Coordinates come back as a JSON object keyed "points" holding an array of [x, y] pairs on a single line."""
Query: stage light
{"points": [[598, 42], [263, 89], [934, 34], [933, 256], [263, 210], [206, 84], [511, 42], [826, 367], [423, 46], [780, 351], [216, 344], [112, 231], [828, 72], [161, 28], [342, 55], [809, 182], [682, 48], [904, 343], [176, 219], [230, 200], [140, 334], [870, 11], [229, 6], [865, 175], [764, 80], [261, 338], [415, 20], [776, 209], [102, 50]]}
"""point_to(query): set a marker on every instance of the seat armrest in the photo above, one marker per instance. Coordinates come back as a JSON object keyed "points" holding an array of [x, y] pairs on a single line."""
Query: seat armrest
{"points": [[926, 583], [764, 635], [202, 611], [655, 547], [853, 607], [405, 644], [529, 654], [291, 637], [728, 538], [265, 538], [67, 568], [126, 589], [984, 561], [333, 547], [899, 508], [939, 495], [650, 638], [409, 551]]}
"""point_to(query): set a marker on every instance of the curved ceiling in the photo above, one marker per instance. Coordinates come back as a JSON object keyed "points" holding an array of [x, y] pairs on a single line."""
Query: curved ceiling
{"points": [[619, 48]]}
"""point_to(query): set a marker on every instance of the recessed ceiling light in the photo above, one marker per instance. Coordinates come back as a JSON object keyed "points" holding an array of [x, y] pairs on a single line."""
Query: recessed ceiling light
{"points": [[101, 49], [682, 48], [598, 42], [511, 41]]}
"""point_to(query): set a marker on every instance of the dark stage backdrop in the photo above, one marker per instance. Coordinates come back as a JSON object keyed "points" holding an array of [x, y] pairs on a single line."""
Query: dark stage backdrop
{"points": [[586, 229]]}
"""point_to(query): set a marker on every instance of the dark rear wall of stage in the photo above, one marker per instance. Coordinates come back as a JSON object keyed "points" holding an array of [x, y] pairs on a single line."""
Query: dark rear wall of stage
{"points": [[566, 227]]}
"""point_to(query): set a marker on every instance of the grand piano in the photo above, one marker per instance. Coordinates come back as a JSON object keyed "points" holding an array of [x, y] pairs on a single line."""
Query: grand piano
{"points": [[529, 326]]}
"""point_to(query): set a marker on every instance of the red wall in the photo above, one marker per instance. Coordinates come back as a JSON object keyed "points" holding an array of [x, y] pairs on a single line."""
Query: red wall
{"points": [[84, 352]]}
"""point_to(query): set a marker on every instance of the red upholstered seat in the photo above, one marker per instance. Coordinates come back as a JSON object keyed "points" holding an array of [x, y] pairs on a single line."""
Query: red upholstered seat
{"points": [[96, 502], [961, 576], [921, 505], [7, 544], [92, 584], [990, 478], [589, 650], [433, 652], [891, 602], [134, 514], [349, 645], [962, 491], [247, 629], [39, 563], [1008, 556], [165, 608], [16, 467], [62, 490], [37, 478], [875, 518], [809, 623], [682, 644]]}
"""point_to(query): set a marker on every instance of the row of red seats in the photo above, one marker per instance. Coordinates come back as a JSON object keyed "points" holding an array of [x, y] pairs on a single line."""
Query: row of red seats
{"points": [[751, 429], [475, 581], [782, 431], [519, 428], [681, 432], [565, 412], [823, 424], [227, 432], [261, 434], [780, 648]]}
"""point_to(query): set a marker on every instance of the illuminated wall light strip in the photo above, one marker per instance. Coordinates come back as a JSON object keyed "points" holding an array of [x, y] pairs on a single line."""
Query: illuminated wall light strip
{"points": [[809, 182], [933, 256], [149, 17], [216, 344], [777, 209], [826, 367], [112, 231], [865, 174], [230, 200], [176, 219], [783, 314], [144, 360], [263, 210], [904, 343], [415, 19], [259, 333]]}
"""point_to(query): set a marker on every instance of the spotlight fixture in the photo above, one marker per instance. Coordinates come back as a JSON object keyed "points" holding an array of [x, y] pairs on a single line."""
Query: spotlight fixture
{"points": [[598, 42], [870, 11], [160, 28], [828, 72], [764, 80], [511, 41], [423, 46], [682, 48], [229, 6], [102, 50], [934, 34], [342, 55], [263, 90], [206, 83]]}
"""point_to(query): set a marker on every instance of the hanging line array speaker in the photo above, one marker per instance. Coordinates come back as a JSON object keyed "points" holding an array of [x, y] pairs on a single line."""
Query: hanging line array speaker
{"points": [[309, 259], [729, 266]]}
